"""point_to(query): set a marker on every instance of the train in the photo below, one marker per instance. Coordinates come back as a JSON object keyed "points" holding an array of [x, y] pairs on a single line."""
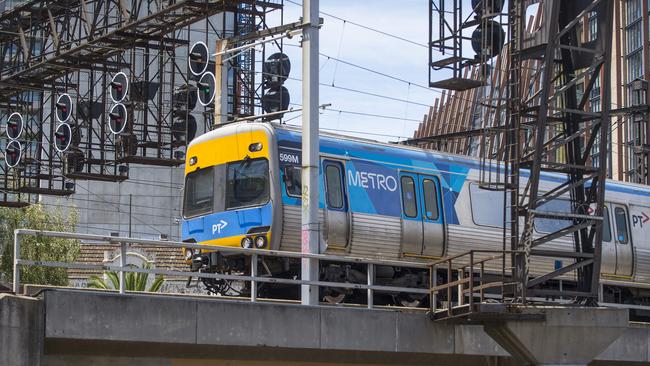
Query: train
{"points": [[379, 200]]}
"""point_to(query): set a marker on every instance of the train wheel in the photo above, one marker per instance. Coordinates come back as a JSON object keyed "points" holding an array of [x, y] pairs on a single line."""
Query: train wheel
{"points": [[334, 299], [408, 300]]}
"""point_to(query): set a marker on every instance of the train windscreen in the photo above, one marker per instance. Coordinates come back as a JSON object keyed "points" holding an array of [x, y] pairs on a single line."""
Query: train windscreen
{"points": [[199, 192], [247, 183]]}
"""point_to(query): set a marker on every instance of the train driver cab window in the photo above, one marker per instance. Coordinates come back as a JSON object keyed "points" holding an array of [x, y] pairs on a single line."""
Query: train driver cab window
{"points": [[620, 219], [607, 231], [247, 183], [334, 187], [199, 189], [408, 197], [430, 199], [293, 180]]}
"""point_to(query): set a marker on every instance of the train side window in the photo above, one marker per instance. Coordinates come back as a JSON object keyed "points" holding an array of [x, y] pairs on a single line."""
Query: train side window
{"points": [[430, 199], [620, 219], [334, 186], [293, 180], [553, 224], [607, 231], [487, 206], [408, 197]]}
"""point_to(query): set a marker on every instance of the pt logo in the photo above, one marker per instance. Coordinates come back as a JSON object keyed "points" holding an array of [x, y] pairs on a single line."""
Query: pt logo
{"points": [[640, 220], [216, 228]]}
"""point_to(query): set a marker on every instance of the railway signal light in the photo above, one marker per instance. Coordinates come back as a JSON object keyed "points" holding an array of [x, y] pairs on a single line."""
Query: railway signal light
{"points": [[488, 39], [15, 125], [198, 58], [62, 137], [184, 129], [63, 108], [206, 89], [487, 7], [13, 153], [275, 100], [117, 118], [276, 69], [184, 99], [276, 97], [119, 87]]}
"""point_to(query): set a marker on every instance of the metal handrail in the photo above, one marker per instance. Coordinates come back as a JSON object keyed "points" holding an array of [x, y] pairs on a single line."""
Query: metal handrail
{"points": [[465, 286], [254, 278]]}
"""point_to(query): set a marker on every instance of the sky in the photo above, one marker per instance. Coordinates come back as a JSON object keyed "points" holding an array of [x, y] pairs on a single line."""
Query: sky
{"points": [[356, 45]]}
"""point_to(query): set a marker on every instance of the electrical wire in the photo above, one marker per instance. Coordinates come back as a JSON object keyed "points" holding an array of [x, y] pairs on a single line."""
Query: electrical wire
{"points": [[366, 27]]}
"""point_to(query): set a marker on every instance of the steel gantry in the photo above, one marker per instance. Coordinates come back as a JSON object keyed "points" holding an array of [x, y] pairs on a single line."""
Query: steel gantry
{"points": [[553, 119], [53, 47]]}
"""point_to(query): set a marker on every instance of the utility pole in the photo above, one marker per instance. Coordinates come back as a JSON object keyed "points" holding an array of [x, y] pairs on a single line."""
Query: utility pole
{"points": [[310, 147]]}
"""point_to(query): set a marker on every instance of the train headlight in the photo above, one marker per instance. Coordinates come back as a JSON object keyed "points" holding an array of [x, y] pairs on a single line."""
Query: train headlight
{"points": [[246, 242], [255, 147], [260, 242], [188, 254]]}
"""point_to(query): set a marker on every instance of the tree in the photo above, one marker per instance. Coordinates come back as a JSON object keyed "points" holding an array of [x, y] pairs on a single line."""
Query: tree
{"points": [[132, 281], [37, 217]]}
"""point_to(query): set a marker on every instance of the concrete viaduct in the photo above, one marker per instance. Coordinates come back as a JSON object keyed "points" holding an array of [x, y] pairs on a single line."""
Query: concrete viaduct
{"points": [[79, 327]]}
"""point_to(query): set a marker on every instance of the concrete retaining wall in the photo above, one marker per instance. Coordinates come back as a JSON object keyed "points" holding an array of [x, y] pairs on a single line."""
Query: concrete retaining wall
{"points": [[21, 331]]}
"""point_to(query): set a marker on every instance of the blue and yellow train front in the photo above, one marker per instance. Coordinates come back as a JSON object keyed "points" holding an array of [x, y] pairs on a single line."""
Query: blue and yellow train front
{"points": [[229, 193]]}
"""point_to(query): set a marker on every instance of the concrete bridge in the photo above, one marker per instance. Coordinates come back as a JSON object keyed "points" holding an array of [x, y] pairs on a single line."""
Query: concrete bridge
{"points": [[75, 327]]}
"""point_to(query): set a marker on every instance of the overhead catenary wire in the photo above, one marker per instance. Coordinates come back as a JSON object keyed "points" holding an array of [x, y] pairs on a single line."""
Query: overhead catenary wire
{"points": [[404, 39]]}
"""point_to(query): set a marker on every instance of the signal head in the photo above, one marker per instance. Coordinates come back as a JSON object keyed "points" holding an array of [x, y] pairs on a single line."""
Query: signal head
{"points": [[184, 127], [198, 58], [63, 108], [276, 99], [494, 36], [62, 137], [206, 89], [119, 87], [117, 118], [487, 7], [15, 125], [13, 153], [276, 69]]}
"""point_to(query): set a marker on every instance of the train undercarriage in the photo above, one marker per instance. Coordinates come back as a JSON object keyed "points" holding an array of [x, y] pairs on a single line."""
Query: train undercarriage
{"points": [[638, 299], [289, 268]]}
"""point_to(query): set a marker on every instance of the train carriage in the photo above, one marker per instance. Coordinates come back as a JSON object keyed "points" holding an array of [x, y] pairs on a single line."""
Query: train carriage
{"points": [[378, 200]]}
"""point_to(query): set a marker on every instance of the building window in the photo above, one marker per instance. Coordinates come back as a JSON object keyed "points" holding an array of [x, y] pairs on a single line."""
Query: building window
{"points": [[593, 26]]}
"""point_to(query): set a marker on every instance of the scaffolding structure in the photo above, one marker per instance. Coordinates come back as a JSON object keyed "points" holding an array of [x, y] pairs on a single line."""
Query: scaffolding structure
{"points": [[542, 123], [51, 47]]}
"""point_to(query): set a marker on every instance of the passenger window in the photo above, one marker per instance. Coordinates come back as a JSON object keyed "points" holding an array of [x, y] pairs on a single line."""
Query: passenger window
{"points": [[483, 202], [620, 219], [430, 199], [408, 197], [607, 231], [334, 188], [293, 180], [553, 224]]}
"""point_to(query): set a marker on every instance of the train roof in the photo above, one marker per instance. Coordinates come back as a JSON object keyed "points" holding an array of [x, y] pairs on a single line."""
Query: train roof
{"points": [[356, 144]]}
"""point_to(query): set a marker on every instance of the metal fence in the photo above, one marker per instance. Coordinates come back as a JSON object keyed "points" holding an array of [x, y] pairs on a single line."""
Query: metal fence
{"points": [[255, 254]]}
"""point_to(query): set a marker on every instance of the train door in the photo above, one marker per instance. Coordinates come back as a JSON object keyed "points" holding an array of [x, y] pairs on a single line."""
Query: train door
{"points": [[337, 211], [433, 240], [608, 261], [422, 219], [623, 240]]}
